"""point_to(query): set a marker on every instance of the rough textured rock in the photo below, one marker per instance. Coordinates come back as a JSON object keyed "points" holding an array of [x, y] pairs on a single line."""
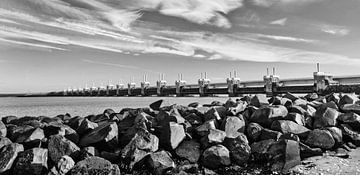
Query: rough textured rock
{"points": [[286, 126], [350, 135], [64, 165], [194, 104], [351, 108], [269, 134], [86, 126], [94, 166], [266, 115], [4, 141], [296, 117], [239, 149], [160, 162], [189, 150], [141, 145], [320, 139], [32, 135], [352, 119], [8, 155], [325, 117], [233, 125], [3, 130], [205, 128], [215, 136], [59, 146], [32, 162], [107, 133], [212, 114], [306, 151], [259, 100], [6, 120], [172, 135], [156, 105], [253, 131], [216, 156], [13, 131], [347, 99], [337, 135]]}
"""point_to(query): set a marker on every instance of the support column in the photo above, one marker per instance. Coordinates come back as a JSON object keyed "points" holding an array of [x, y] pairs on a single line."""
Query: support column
{"points": [[203, 85], [144, 85], [131, 86], [160, 84], [118, 88], [180, 83], [271, 83], [321, 80], [233, 83]]}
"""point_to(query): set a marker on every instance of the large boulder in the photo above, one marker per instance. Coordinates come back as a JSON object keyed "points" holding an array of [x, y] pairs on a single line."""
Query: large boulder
{"points": [[94, 166], [215, 136], [306, 151], [160, 162], [212, 114], [63, 166], [4, 141], [32, 162], [233, 125], [189, 150], [106, 134], [8, 155], [351, 108], [259, 100], [351, 119], [239, 149], [27, 120], [86, 126], [337, 135], [215, 157], [253, 131], [14, 131], [287, 126], [269, 134], [7, 119], [325, 117], [350, 135], [281, 155], [31, 135], [3, 130], [141, 145], [156, 105], [296, 117], [172, 135], [266, 115], [320, 139], [59, 146], [348, 99], [205, 128]]}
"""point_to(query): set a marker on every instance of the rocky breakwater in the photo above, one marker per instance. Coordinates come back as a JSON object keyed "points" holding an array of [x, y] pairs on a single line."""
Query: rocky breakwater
{"points": [[252, 134]]}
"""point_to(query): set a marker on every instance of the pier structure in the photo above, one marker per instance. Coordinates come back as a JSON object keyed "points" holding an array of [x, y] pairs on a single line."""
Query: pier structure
{"points": [[320, 82]]}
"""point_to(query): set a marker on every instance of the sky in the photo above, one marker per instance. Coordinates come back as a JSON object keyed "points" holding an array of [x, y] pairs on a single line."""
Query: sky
{"points": [[49, 45]]}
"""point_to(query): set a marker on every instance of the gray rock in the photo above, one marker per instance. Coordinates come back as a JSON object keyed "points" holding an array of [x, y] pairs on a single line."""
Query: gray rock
{"points": [[8, 155], [325, 117], [259, 100], [3, 130], [6, 120], [215, 157], [86, 126], [337, 135], [189, 150], [287, 126], [233, 125], [266, 115], [350, 135], [214, 137], [320, 139], [156, 105], [160, 162], [205, 128], [4, 141], [172, 135], [107, 132], [64, 165], [239, 149], [32, 162], [352, 119], [296, 117], [59, 146], [347, 99], [254, 131], [94, 166], [306, 151]]}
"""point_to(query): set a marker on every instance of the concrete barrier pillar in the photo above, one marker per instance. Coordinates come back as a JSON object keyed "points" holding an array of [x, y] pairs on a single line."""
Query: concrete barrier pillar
{"points": [[179, 85], [131, 86], [271, 83], [118, 88], [203, 85], [144, 86], [321, 81], [233, 83], [160, 84]]}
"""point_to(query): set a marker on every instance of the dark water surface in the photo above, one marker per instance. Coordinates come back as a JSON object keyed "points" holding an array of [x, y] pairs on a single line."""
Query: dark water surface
{"points": [[82, 106]]}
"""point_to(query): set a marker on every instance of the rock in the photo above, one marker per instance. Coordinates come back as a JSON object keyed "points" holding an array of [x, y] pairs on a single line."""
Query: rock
{"points": [[330, 104], [289, 136], [64, 117], [253, 131], [94, 166], [311, 96], [194, 105], [297, 109], [193, 119], [269, 134], [4, 141], [75, 122], [291, 96], [286, 102], [266, 115], [287, 126], [172, 135], [6, 120], [8, 154], [347, 99], [275, 100], [107, 133], [351, 108], [337, 135], [86, 126], [71, 134], [350, 135], [306, 151], [141, 145], [296, 117], [325, 117], [113, 157], [215, 136], [259, 100], [235, 111], [156, 105], [13, 131], [54, 129], [239, 149], [3, 130], [64, 165], [281, 155], [100, 118], [205, 128], [216, 103], [300, 102], [108, 112], [189, 150], [87, 152], [31, 121], [230, 103], [31, 138], [215, 157], [233, 125], [32, 162], [59, 146], [212, 114], [160, 162], [320, 139], [352, 119]]}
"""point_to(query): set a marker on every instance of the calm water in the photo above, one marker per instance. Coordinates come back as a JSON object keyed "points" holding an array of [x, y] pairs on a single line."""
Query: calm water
{"points": [[82, 106]]}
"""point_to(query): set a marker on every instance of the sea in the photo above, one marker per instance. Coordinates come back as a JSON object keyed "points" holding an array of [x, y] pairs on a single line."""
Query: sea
{"points": [[83, 106]]}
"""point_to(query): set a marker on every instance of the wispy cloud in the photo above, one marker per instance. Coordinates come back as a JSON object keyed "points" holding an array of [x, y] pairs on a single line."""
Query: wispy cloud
{"points": [[280, 22], [334, 29], [118, 65]]}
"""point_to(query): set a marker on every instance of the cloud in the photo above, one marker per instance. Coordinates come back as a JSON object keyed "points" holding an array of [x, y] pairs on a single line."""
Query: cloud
{"points": [[285, 38], [118, 65], [280, 22], [31, 44], [335, 30], [269, 3]]}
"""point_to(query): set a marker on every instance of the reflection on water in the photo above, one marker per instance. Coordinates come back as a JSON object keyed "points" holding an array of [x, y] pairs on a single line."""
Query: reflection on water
{"points": [[82, 106]]}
